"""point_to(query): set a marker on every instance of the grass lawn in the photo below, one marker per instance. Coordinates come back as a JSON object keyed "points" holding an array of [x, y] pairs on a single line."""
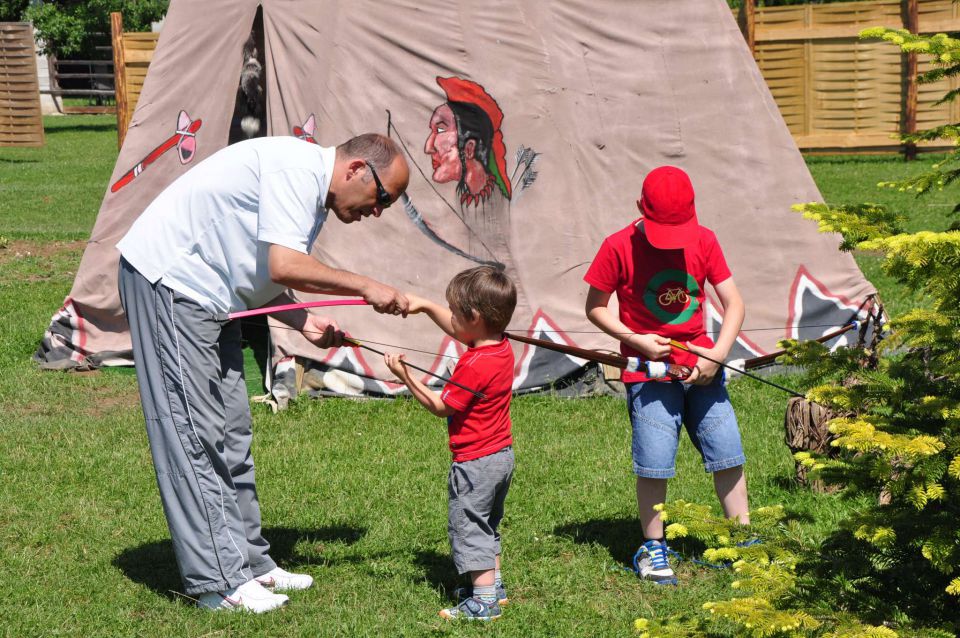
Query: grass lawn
{"points": [[352, 492]]}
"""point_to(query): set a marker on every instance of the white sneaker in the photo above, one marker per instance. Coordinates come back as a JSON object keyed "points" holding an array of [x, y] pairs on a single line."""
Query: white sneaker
{"points": [[281, 580], [250, 596]]}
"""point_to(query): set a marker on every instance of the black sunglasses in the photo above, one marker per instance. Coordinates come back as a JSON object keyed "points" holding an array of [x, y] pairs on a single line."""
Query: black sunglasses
{"points": [[383, 197]]}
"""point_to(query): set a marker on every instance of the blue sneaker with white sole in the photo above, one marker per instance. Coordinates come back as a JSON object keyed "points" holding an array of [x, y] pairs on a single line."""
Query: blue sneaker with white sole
{"points": [[652, 563]]}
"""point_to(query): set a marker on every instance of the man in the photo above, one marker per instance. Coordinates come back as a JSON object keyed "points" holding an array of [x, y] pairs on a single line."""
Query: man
{"points": [[234, 233]]}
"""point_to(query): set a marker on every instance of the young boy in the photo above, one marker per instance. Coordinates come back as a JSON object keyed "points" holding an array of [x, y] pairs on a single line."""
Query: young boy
{"points": [[657, 266], [481, 303]]}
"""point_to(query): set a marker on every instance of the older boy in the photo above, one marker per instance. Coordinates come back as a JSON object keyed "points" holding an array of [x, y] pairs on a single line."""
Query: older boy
{"points": [[481, 303], [657, 266]]}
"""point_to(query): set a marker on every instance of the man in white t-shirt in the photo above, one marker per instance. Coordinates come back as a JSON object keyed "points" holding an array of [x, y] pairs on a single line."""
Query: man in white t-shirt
{"points": [[234, 233]]}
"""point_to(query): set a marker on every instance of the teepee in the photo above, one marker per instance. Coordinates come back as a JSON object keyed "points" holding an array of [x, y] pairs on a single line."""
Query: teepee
{"points": [[529, 126]]}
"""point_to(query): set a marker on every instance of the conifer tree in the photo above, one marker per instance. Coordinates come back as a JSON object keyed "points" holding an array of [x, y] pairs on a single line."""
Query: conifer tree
{"points": [[894, 566]]}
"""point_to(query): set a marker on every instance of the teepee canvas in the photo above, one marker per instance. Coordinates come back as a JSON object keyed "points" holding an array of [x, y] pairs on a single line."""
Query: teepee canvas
{"points": [[528, 125]]}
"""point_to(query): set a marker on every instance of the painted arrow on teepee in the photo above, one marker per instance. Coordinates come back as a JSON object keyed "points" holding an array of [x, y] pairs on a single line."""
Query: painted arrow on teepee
{"points": [[184, 139]]}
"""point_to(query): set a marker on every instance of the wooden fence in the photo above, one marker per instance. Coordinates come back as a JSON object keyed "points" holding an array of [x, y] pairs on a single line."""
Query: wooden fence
{"points": [[20, 120], [82, 78], [132, 53], [836, 92]]}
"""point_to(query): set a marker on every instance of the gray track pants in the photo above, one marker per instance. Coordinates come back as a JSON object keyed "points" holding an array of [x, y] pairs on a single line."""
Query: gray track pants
{"points": [[190, 372]]}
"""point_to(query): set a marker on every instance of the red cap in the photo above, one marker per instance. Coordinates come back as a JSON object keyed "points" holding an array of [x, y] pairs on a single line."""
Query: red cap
{"points": [[669, 217]]}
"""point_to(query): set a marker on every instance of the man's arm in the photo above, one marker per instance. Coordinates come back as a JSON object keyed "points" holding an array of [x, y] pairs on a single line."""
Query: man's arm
{"points": [[428, 398], [296, 270], [322, 332]]}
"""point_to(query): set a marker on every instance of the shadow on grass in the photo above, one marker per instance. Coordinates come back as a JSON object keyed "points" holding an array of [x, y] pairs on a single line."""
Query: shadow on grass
{"points": [[154, 565], [18, 160], [621, 537], [438, 571], [55, 129]]}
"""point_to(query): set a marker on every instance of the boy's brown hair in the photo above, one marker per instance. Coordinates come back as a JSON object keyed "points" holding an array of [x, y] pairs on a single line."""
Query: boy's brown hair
{"points": [[486, 291]]}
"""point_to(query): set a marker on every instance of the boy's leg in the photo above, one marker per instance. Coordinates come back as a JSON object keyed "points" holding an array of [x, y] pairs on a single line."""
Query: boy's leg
{"points": [[713, 428], [650, 492], [655, 415], [482, 578], [477, 490], [731, 486]]}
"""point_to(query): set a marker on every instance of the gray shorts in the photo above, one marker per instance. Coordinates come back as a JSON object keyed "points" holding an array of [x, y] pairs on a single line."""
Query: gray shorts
{"points": [[477, 491]]}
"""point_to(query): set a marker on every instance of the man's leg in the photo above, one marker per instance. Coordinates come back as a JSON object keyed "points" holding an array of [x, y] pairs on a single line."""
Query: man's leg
{"points": [[236, 445], [178, 371]]}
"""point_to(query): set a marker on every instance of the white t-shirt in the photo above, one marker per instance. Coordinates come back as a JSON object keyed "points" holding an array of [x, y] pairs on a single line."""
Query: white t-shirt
{"points": [[208, 233]]}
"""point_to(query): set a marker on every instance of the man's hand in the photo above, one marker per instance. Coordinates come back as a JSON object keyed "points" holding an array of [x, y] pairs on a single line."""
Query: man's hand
{"points": [[322, 332], [386, 299], [653, 347], [395, 364], [705, 370]]}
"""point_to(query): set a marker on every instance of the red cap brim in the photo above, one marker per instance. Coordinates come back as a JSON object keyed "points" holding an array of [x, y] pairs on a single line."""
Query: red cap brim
{"points": [[672, 236]]}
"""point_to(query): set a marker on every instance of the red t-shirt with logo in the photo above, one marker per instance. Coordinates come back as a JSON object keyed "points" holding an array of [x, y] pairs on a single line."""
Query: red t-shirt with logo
{"points": [[480, 427], [659, 291]]}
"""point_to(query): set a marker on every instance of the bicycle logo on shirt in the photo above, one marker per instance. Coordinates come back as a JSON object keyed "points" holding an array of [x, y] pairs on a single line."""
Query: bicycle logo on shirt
{"points": [[671, 296]]}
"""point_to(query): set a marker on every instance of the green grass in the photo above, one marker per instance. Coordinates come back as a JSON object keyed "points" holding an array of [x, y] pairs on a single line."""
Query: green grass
{"points": [[353, 492], [853, 179], [54, 192]]}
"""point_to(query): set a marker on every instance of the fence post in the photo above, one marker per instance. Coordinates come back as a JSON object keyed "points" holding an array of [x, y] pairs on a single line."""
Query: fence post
{"points": [[119, 75], [911, 22], [747, 20]]}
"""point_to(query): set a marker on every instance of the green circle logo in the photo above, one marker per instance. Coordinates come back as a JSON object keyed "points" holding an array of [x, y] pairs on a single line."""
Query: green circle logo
{"points": [[669, 289]]}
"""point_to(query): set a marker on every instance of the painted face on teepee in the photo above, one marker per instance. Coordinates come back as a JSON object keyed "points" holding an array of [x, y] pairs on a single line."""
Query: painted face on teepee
{"points": [[441, 146]]}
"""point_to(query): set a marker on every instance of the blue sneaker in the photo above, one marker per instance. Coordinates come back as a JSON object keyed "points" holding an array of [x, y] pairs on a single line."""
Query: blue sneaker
{"points": [[651, 563], [472, 609], [462, 593]]}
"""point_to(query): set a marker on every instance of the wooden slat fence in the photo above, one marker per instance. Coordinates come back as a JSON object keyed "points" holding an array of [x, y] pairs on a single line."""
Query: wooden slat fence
{"points": [[20, 121], [838, 92], [132, 53]]}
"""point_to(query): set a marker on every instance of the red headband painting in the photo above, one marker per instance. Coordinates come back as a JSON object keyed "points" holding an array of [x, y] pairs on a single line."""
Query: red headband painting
{"points": [[466, 147], [465, 143]]}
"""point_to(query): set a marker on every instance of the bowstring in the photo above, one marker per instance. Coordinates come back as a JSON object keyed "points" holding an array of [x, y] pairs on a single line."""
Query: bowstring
{"points": [[541, 330]]}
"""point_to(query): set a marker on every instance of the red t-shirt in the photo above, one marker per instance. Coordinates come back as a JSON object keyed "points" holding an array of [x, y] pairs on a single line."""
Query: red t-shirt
{"points": [[659, 291], [480, 426]]}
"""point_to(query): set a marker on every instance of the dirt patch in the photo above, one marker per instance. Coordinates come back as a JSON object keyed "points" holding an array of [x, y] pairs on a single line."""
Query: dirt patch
{"points": [[21, 248], [94, 403], [108, 404]]}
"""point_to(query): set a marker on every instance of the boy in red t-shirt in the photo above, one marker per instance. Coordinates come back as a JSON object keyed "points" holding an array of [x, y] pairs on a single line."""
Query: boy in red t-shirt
{"points": [[657, 266], [481, 303]]}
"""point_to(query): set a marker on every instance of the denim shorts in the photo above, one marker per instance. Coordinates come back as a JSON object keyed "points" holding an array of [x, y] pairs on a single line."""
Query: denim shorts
{"points": [[659, 409]]}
